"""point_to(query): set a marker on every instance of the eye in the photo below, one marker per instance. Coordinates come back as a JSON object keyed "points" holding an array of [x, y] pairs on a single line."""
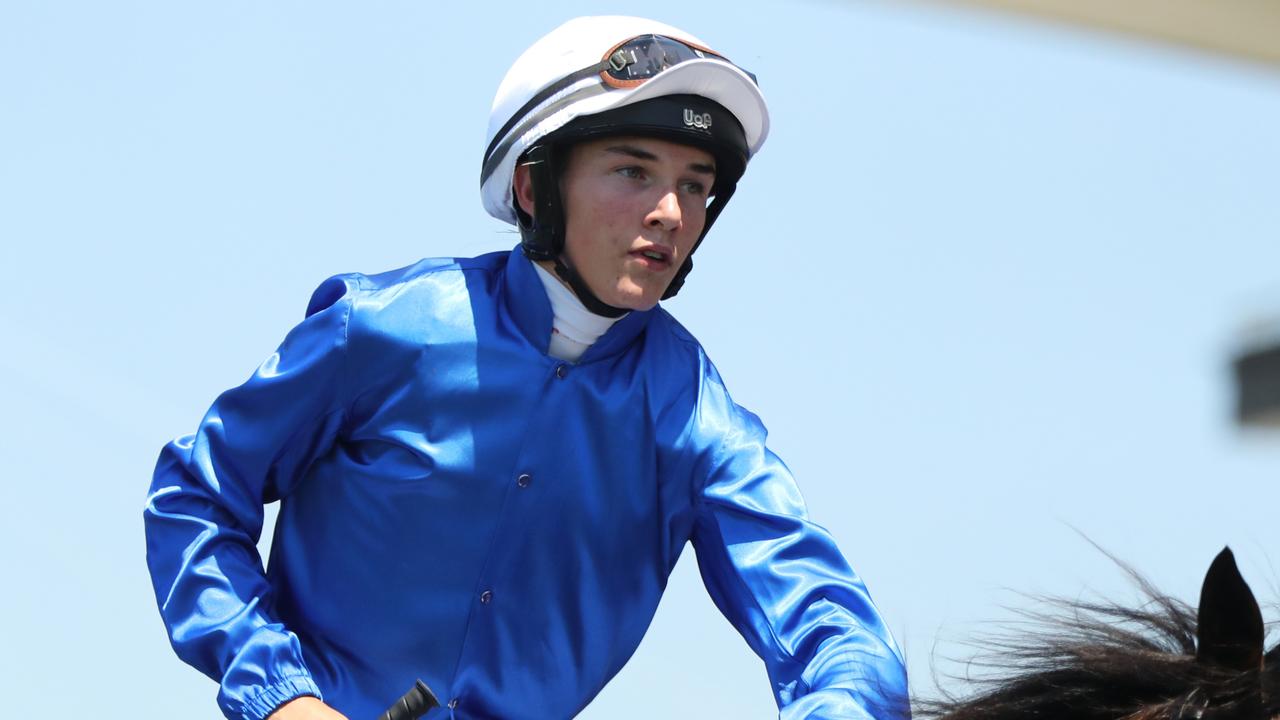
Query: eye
{"points": [[695, 187], [631, 171]]}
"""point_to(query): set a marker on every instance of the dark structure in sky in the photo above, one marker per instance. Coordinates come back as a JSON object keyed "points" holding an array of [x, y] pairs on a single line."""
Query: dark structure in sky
{"points": [[1257, 372]]}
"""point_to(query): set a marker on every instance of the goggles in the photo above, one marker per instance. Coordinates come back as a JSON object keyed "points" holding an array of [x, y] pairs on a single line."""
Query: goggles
{"points": [[633, 61]]}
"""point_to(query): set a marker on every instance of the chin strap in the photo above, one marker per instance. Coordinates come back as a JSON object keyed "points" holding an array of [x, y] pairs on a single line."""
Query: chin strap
{"points": [[542, 234], [588, 298]]}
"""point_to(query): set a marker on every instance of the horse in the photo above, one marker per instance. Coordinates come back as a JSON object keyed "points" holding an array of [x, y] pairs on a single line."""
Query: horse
{"points": [[1162, 660]]}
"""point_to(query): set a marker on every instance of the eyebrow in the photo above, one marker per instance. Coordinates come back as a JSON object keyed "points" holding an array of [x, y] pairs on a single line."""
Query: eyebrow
{"points": [[642, 154]]}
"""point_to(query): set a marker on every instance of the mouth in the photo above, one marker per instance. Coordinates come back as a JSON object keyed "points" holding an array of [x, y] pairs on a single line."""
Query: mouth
{"points": [[653, 257]]}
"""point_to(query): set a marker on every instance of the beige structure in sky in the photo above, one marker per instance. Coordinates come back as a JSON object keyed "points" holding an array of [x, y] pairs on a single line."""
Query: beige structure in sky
{"points": [[1248, 29]]}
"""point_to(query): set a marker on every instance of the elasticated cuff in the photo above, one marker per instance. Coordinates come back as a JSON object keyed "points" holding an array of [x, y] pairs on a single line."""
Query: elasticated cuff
{"points": [[270, 699]]}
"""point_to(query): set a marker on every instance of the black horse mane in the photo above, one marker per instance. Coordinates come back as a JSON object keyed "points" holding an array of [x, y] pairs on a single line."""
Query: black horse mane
{"points": [[1099, 660]]}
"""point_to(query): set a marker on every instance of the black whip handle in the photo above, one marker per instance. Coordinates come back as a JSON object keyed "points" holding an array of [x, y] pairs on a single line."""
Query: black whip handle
{"points": [[413, 705]]}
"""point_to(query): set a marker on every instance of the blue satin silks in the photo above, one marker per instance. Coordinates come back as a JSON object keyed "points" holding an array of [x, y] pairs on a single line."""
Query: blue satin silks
{"points": [[460, 507]]}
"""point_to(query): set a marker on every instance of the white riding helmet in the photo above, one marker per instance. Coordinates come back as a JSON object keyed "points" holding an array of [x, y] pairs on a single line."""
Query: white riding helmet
{"points": [[568, 74]]}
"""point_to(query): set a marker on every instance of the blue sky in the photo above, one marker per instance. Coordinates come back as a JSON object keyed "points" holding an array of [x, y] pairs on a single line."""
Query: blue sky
{"points": [[982, 284]]}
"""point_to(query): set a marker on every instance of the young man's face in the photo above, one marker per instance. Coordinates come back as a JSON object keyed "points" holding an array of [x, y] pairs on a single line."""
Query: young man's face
{"points": [[633, 209]]}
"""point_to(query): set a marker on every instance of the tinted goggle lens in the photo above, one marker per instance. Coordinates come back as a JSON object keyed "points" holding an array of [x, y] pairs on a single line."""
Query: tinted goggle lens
{"points": [[641, 58]]}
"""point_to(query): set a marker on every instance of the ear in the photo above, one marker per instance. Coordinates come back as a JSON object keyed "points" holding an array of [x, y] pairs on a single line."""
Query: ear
{"points": [[1229, 628], [522, 189]]}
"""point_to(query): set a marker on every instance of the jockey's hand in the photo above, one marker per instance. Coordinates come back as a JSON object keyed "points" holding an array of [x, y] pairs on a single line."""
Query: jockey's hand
{"points": [[306, 708]]}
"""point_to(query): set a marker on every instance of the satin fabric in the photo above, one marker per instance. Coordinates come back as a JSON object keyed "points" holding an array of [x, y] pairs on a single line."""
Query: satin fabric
{"points": [[458, 506]]}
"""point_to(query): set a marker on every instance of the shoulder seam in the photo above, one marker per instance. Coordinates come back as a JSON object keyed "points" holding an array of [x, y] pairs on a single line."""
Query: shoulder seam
{"points": [[346, 353]]}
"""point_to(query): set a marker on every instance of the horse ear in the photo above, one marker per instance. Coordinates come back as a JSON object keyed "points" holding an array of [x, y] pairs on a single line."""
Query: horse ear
{"points": [[1229, 630]]}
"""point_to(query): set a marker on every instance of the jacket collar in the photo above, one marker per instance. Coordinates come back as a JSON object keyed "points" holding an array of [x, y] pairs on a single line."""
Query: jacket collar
{"points": [[526, 302]]}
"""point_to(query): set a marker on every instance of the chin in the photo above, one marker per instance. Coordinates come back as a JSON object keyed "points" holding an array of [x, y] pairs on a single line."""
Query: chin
{"points": [[634, 297], [635, 303]]}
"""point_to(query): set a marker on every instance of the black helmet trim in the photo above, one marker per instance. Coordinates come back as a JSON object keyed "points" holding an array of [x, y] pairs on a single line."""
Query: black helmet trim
{"points": [[686, 119]]}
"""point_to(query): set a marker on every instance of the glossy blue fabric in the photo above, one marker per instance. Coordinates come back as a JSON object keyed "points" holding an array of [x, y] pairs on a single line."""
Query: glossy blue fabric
{"points": [[460, 507]]}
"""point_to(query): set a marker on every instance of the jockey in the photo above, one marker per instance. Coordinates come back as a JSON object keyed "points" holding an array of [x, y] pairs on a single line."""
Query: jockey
{"points": [[488, 467]]}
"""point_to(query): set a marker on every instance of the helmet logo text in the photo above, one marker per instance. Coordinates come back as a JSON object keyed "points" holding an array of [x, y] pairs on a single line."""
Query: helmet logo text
{"points": [[701, 121]]}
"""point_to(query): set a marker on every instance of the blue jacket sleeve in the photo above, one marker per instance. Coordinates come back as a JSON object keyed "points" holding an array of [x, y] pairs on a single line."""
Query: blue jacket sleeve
{"points": [[204, 512], [781, 580]]}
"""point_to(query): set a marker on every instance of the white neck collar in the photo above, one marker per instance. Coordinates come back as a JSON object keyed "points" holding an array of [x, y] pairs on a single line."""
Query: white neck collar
{"points": [[573, 327]]}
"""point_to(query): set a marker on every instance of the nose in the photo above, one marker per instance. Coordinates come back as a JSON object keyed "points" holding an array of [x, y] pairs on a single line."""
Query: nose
{"points": [[666, 213]]}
